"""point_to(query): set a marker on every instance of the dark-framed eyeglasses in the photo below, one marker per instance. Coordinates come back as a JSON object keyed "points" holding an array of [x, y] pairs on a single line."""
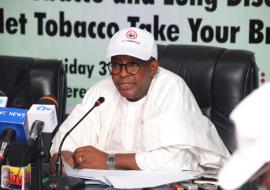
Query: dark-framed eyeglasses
{"points": [[132, 68]]}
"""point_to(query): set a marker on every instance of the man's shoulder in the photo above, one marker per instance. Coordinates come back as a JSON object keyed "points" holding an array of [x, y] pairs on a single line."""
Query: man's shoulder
{"points": [[170, 78], [167, 82]]}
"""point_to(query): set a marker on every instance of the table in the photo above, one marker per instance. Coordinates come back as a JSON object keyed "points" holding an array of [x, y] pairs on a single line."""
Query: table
{"points": [[46, 173]]}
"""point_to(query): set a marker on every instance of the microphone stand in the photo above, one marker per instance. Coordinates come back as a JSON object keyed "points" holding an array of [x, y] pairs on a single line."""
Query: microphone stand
{"points": [[59, 182], [41, 155]]}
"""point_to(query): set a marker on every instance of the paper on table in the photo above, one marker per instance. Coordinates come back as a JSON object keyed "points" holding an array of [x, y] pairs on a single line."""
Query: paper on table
{"points": [[142, 179], [130, 179]]}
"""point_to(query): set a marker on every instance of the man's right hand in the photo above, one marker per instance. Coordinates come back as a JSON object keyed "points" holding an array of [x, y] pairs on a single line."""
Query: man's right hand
{"points": [[66, 155]]}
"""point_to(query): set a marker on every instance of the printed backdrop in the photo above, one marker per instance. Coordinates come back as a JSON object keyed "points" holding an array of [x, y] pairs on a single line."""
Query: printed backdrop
{"points": [[78, 31]]}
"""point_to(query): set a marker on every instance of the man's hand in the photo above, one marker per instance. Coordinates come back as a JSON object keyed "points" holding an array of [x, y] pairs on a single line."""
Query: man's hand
{"points": [[264, 180], [90, 157], [66, 155]]}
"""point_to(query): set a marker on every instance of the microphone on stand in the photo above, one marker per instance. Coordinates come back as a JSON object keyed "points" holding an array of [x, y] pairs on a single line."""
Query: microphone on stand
{"points": [[34, 139], [7, 138], [14, 118], [60, 182], [45, 110], [13, 129], [35, 132], [42, 116]]}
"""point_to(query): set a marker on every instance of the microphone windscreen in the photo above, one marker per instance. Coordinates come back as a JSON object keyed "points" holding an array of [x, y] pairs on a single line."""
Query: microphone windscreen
{"points": [[7, 138], [99, 101], [9, 134], [35, 132], [14, 118]]}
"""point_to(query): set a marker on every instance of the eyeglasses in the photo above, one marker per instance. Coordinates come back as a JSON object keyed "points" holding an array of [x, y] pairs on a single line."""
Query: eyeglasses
{"points": [[132, 68]]}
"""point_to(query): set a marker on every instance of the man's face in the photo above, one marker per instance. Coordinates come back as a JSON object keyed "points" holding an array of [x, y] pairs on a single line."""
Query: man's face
{"points": [[5, 178], [134, 87]]}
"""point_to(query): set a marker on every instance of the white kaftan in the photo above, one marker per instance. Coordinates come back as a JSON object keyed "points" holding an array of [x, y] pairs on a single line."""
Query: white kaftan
{"points": [[165, 129]]}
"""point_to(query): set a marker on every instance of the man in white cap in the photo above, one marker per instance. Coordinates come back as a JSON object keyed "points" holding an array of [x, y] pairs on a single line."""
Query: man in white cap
{"points": [[149, 120], [251, 158]]}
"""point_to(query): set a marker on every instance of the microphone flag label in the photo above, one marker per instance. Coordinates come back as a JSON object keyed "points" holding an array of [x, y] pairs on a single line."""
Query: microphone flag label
{"points": [[14, 118], [45, 113], [15, 177]]}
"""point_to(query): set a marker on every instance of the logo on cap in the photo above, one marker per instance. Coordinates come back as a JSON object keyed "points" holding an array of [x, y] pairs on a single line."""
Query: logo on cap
{"points": [[131, 34]]}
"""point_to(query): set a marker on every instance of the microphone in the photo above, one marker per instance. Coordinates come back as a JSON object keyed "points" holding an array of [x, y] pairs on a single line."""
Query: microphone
{"points": [[59, 163], [35, 131], [14, 118], [3, 99], [18, 177], [20, 155], [45, 110], [7, 137], [59, 182]]}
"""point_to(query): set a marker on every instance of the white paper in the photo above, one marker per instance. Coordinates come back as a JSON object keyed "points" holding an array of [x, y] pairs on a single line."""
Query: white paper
{"points": [[131, 179]]}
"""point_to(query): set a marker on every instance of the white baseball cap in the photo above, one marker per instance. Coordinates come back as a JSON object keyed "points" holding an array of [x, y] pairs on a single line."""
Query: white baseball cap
{"points": [[252, 122], [133, 42]]}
